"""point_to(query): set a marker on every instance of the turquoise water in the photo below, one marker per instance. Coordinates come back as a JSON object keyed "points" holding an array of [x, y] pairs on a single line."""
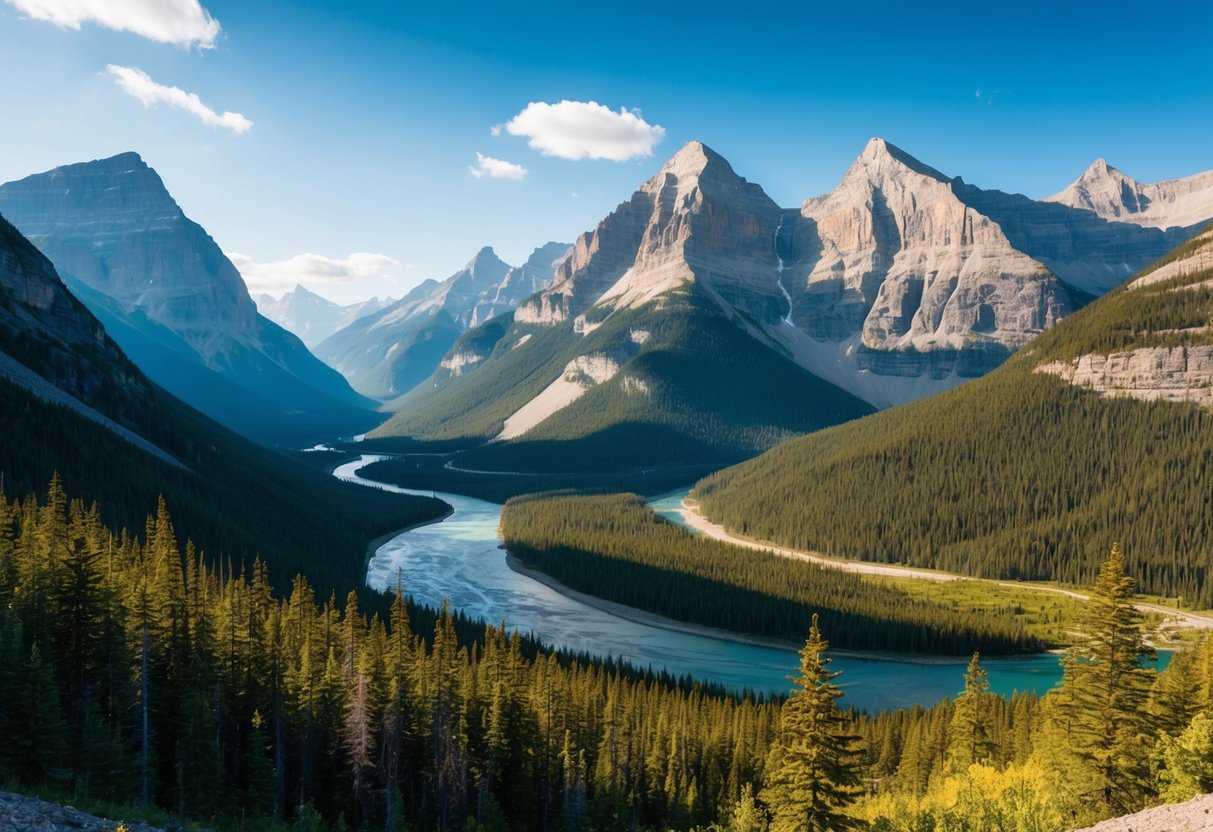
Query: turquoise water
{"points": [[460, 559]]}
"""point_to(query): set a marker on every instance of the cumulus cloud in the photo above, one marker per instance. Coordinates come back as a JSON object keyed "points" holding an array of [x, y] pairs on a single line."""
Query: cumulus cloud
{"points": [[585, 130], [139, 84], [182, 23], [283, 275], [496, 168]]}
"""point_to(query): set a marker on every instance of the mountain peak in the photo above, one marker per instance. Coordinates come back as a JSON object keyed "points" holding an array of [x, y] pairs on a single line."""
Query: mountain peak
{"points": [[881, 157], [693, 159], [485, 257]]}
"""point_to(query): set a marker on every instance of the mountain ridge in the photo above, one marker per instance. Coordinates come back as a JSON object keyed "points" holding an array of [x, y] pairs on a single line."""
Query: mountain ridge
{"points": [[179, 307]]}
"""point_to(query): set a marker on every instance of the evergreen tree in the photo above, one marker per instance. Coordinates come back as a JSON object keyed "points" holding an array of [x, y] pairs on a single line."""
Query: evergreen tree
{"points": [[1105, 692], [969, 735], [813, 770]]}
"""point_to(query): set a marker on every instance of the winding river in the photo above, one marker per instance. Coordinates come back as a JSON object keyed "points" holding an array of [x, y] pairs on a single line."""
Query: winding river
{"points": [[459, 558]]}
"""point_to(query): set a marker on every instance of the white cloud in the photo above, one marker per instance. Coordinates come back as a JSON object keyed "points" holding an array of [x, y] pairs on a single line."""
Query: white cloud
{"points": [[496, 168], [585, 130], [139, 84], [284, 275], [180, 22]]}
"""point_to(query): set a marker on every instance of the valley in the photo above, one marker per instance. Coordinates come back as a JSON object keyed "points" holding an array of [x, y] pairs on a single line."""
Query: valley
{"points": [[459, 558], [616, 480]]}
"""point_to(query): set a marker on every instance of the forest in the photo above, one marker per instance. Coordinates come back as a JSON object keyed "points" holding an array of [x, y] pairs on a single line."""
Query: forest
{"points": [[1017, 475], [134, 673], [615, 547], [676, 410]]}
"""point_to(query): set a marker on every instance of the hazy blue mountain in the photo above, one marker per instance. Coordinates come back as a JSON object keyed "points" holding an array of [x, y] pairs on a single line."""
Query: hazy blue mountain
{"points": [[387, 353], [175, 303]]}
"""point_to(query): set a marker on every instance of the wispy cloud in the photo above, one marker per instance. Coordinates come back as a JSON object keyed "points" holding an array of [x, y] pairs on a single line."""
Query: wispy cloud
{"points": [[496, 168], [182, 23], [585, 130], [283, 275], [139, 84]]}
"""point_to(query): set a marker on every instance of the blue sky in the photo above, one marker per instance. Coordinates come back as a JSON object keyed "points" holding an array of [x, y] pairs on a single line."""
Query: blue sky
{"points": [[366, 116]]}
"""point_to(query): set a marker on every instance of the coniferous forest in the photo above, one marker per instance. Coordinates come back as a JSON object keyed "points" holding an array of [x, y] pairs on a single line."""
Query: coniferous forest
{"points": [[133, 671], [616, 548]]}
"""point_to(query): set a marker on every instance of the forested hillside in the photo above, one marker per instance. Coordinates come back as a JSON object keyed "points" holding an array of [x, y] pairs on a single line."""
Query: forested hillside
{"points": [[674, 398], [132, 672], [72, 402], [1023, 474], [616, 548]]}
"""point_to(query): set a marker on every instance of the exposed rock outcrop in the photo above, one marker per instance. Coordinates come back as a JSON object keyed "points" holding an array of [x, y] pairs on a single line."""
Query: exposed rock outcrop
{"points": [[929, 283], [696, 220], [29, 814], [1173, 374], [1195, 815]]}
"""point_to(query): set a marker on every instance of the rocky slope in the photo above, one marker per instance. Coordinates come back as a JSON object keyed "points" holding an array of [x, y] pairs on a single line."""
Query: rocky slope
{"points": [[1195, 815], [312, 317], [1169, 363], [1109, 193], [174, 302], [387, 353], [902, 288], [19, 813]]}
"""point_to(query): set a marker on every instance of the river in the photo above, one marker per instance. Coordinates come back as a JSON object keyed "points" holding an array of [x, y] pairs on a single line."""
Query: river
{"points": [[460, 558]]}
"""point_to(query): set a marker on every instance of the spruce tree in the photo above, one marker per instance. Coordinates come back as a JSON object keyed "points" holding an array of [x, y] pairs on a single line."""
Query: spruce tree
{"points": [[1106, 690], [813, 769], [969, 735]]}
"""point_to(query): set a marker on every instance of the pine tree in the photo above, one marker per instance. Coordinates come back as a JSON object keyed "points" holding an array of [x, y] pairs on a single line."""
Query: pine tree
{"points": [[813, 770], [1106, 690], [969, 735]]}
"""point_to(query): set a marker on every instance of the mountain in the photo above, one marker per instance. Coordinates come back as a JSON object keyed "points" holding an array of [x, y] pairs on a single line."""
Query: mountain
{"points": [[174, 302], [1109, 193], [312, 317], [650, 346], [1098, 431], [904, 282], [75, 406], [388, 353]]}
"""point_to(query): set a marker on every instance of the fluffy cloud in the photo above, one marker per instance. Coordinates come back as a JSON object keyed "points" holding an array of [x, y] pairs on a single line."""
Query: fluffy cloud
{"points": [[180, 22], [585, 130], [284, 275], [139, 84], [496, 168]]}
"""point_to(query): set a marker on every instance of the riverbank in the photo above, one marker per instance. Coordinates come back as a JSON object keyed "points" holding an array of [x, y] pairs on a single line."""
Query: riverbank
{"points": [[701, 524], [650, 619]]}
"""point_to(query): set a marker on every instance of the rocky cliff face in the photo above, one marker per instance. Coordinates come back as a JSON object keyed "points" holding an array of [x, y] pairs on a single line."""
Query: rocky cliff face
{"points": [[1112, 195], [894, 263], [174, 302], [695, 221], [312, 317], [520, 282], [45, 328], [1171, 361]]}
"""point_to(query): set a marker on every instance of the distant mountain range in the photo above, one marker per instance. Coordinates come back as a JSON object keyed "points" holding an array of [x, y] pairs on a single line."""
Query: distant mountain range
{"points": [[900, 283], [1108, 193], [175, 303], [75, 406], [388, 353], [312, 317], [1099, 431]]}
